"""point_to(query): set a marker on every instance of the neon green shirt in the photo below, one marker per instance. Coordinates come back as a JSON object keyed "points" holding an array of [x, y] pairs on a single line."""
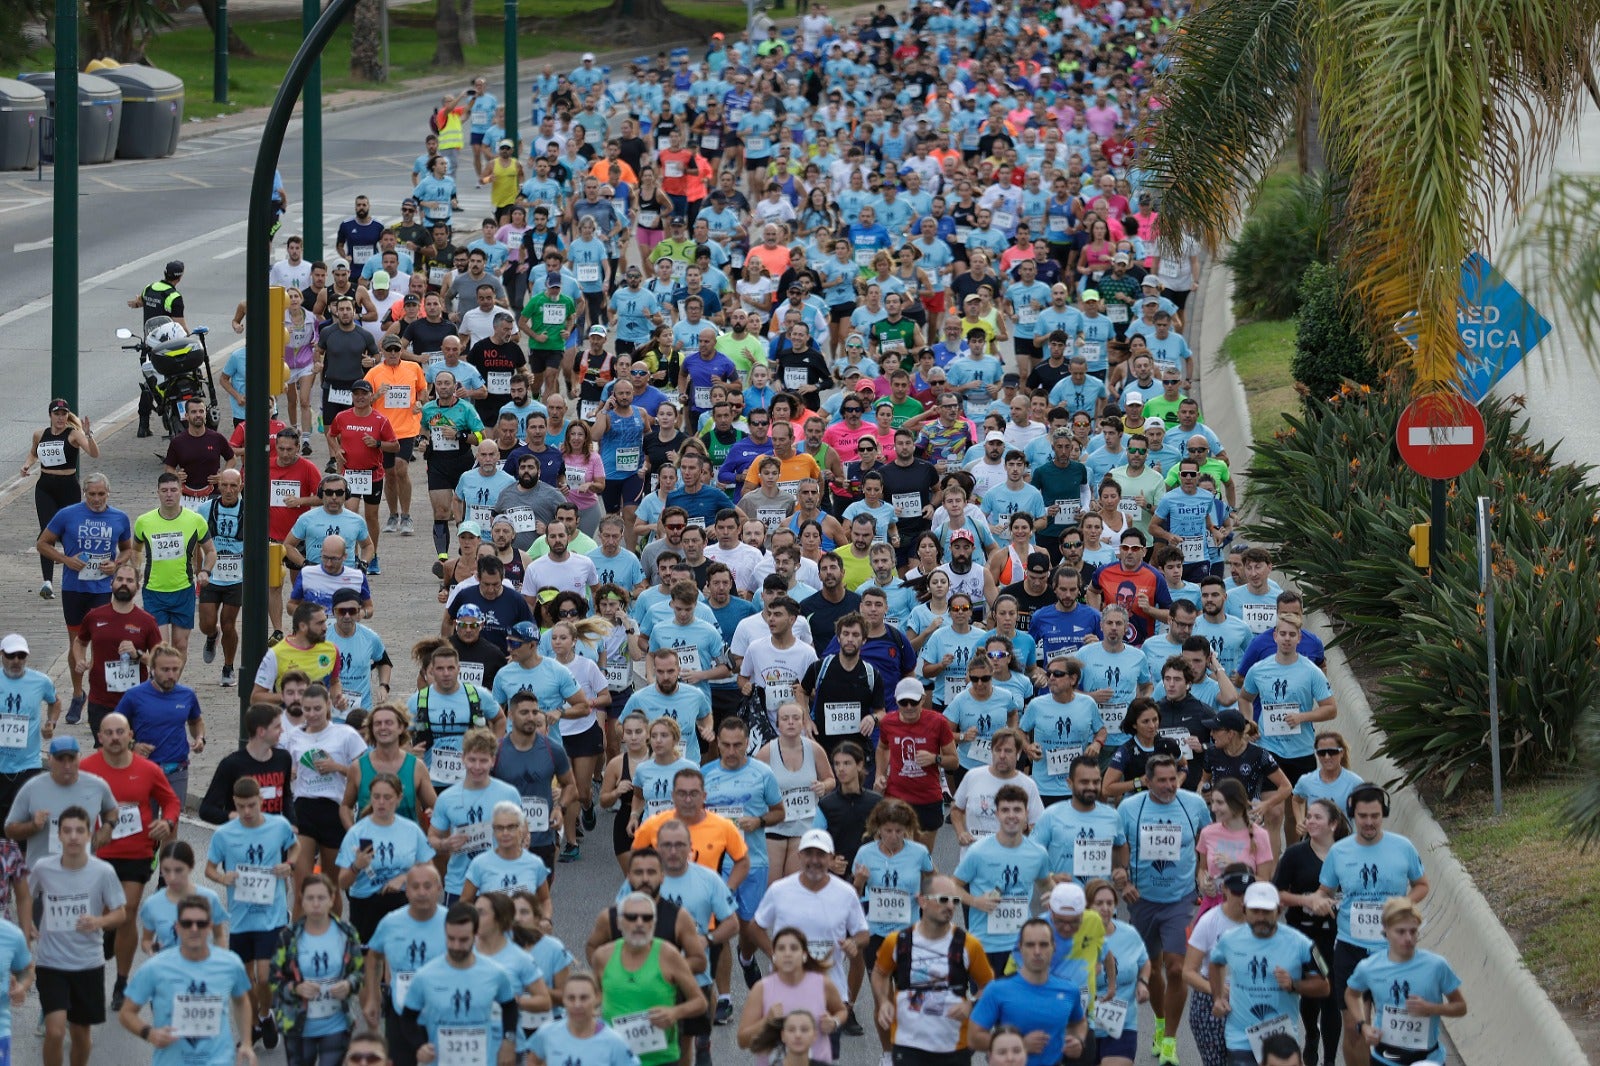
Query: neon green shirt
{"points": [[168, 545]]}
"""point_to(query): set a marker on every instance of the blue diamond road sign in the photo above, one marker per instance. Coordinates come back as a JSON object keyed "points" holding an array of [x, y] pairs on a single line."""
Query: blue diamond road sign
{"points": [[1498, 327]]}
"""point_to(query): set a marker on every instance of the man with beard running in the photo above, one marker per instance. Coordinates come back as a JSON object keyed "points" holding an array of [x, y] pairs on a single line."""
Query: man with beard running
{"points": [[646, 986], [115, 639]]}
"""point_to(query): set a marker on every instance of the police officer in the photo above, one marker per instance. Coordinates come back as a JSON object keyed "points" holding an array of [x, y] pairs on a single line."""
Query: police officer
{"points": [[159, 298]]}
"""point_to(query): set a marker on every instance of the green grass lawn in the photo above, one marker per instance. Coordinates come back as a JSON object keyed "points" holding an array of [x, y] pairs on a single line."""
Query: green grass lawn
{"points": [[253, 82], [1544, 889], [1260, 353]]}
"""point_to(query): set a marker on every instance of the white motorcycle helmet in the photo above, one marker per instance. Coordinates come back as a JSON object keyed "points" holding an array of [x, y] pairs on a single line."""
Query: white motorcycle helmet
{"points": [[162, 331]]}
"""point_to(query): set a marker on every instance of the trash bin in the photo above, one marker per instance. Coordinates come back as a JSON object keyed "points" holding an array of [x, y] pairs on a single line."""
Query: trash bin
{"points": [[22, 112], [152, 110], [99, 116]]}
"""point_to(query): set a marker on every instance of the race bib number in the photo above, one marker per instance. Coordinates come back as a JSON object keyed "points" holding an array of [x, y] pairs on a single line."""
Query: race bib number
{"points": [[228, 570], [166, 546], [462, 1045], [196, 1017], [360, 254], [841, 718], [554, 314], [1066, 512], [907, 504], [1058, 761], [130, 820], [702, 397], [587, 273], [285, 491], [771, 517], [627, 460], [1008, 916], [483, 515], [1111, 1015], [962, 233], [1275, 719], [710, 142], [402, 985], [440, 442], [255, 885], [1091, 352], [587, 409], [472, 673], [446, 767], [1257, 1034], [324, 1006], [1027, 314], [52, 453], [120, 675], [61, 913], [794, 377], [1091, 858], [653, 807], [341, 396], [14, 730], [1130, 508], [530, 1021], [1178, 734], [799, 804], [436, 276], [1160, 843], [756, 145], [1002, 220], [889, 906], [397, 397], [1260, 617], [195, 503], [498, 382], [1403, 1030], [523, 519], [980, 749], [574, 478], [674, 169], [1366, 920], [1168, 269], [537, 811], [639, 1033], [1194, 550], [864, 257], [1117, 313], [480, 837], [359, 482], [954, 686], [688, 659], [618, 675]]}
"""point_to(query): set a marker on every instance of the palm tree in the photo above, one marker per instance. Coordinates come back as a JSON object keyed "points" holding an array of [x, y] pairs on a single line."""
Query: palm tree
{"points": [[1436, 116], [447, 50]]}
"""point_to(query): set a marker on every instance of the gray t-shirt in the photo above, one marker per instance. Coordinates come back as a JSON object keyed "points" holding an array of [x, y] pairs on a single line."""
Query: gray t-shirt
{"points": [[541, 500], [59, 896], [343, 362], [463, 295], [41, 793]]}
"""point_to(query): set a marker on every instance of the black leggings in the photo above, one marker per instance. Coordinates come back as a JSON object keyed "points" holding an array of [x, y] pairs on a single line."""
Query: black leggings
{"points": [[1325, 1011], [52, 493]]}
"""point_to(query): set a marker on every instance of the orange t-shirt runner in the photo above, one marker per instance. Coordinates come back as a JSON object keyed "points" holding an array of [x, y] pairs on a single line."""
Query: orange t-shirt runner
{"points": [[710, 838]]}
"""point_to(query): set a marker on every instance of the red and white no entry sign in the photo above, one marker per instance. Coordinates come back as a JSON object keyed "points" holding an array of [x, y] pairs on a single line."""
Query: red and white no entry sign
{"points": [[1440, 436]]}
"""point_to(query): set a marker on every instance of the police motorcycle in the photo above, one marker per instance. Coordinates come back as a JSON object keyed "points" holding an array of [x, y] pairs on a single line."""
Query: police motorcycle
{"points": [[175, 367]]}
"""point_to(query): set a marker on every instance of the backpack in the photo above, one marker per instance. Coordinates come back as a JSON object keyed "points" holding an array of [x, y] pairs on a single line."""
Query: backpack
{"points": [[957, 981], [434, 122], [422, 729]]}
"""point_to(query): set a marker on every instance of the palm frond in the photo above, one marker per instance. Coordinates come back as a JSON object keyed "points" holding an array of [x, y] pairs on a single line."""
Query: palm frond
{"points": [[1227, 109], [1583, 808], [1560, 242]]}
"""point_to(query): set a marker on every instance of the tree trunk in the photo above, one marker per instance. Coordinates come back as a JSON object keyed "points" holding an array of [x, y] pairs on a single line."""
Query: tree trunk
{"points": [[236, 45], [447, 28], [468, 21], [641, 9], [366, 42]]}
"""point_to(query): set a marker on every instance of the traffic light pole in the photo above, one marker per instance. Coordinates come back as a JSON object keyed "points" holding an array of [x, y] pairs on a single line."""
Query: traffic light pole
{"points": [[64, 245], [258, 327]]}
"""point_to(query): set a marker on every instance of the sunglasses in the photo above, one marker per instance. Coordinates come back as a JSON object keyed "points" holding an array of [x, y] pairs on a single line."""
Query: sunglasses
{"points": [[194, 923], [1062, 673], [465, 623], [638, 373], [1132, 547], [1138, 451], [980, 679], [1072, 544], [363, 1058], [351, 613], [947, 900], [1329, 753], [998, 655], [16, 655], [850, 410], [757, 424], [676, 527], [1187, 474], [961, 610], [569, 612], [637, 917], [1200, 449], [334, 492], [909, 703]]}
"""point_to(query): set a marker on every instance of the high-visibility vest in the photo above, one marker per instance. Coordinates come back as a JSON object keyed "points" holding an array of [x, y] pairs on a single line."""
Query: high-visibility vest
{"points": [[450, 135]]}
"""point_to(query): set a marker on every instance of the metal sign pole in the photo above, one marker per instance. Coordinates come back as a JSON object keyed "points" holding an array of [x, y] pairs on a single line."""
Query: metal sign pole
{"points": [[1486, 582]]}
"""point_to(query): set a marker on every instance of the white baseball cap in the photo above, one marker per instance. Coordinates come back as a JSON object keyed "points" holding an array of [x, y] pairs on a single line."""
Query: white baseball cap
{"points": [[909, 688], [820, 839], [14, 644], [1067, 898], [1261, 896]]}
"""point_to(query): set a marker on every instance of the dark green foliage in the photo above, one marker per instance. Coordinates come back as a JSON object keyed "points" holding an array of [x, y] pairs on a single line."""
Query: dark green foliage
{"points": [[1330, 348], [1287, 232], [1332, 492]]}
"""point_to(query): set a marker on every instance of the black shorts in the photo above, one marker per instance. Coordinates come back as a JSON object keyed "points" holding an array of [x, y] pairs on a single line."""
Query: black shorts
{"points": [[443, 475], [1024, 346], [74, 605], [841, 312], [407, 452], [620, 493], [227, 595], [591, 741], [133, 871], [250, 947], [1293, 769], [1178, 296], [621, 839], [596, 302], [625, 347], [542, 359], [374, 497], [81, 993], [1346, 957], [930, 816], [699, 1024], [319, 820]]}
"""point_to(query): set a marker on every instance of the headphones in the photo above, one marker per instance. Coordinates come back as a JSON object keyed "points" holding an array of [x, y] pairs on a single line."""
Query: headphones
{"points": [[1366, 793]]}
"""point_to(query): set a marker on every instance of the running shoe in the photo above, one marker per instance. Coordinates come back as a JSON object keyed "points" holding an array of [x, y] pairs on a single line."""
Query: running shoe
{"points": [[75, 709], [569, 853], [1169, 1052], [47, 591], [724, 1011], [209, 652], [588, 818], [406, 526], [373, 570], [229, 679], [392, 524], [269, 1033]]}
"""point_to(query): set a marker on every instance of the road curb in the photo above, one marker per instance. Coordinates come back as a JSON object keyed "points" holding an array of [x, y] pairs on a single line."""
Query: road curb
{"points": [[1510, 1018]]}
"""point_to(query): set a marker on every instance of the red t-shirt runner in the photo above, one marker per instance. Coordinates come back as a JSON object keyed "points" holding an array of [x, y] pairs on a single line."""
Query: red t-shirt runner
{"points": [[903, 740], [351, 431], [300, 478], [1125, 586], [143, 795], [109, 676]]}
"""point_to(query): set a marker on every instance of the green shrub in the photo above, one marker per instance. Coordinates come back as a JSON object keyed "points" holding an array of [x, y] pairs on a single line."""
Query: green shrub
{"points": [[1331, 492], [1330, 348], [1287, 232]]}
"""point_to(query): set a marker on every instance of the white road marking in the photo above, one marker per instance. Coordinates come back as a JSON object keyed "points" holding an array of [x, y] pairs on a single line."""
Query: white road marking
{"points": [[32, 246]]}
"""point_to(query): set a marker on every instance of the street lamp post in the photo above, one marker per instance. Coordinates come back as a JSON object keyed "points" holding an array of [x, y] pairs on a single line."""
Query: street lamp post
{"points": [[64, 242], [311, 134], [258, 324], [511, 73]]}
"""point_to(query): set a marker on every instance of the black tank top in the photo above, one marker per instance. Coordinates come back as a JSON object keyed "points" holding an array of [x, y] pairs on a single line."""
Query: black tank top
{"points": [[48, 451], [666, 922]]}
